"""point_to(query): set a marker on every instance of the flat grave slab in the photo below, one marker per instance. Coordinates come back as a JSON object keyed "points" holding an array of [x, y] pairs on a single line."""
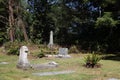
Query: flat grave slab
{"points": [[52, 73], [4, 63], [113, 79]]}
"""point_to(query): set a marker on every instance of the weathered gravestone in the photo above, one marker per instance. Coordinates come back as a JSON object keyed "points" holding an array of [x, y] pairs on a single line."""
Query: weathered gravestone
{"points": [[50, 45], [63, 53], [23, 62]]}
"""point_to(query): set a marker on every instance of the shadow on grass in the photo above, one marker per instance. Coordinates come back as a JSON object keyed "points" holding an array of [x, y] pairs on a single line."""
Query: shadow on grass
{"points": [[115, 57]]}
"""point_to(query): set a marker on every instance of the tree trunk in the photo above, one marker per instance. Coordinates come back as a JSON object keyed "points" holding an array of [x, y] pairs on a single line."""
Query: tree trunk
{"points": [[11, 20], [21, 25], [25, 33]]}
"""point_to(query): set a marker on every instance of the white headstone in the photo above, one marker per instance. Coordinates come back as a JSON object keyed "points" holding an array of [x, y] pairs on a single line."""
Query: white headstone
{"points": [[23, 61], [51, 40]]}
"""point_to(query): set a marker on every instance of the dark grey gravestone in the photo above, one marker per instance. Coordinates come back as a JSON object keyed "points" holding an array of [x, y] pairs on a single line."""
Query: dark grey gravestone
{"points": [[63, 53]]}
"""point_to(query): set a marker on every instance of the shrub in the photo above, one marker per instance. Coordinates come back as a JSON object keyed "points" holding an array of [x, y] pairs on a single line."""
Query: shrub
{"points": [[12, 48], [92, 60], [73, 49], [41, 54]]}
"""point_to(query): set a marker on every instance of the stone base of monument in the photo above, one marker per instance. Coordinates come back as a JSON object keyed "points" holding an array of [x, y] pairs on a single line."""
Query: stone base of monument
{"points": [[58, 56], [63, 56], [45, 65], [23, 66]]}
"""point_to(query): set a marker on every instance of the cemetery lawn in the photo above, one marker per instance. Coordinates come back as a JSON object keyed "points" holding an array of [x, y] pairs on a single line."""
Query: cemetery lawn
{"points": [[109, 69]]}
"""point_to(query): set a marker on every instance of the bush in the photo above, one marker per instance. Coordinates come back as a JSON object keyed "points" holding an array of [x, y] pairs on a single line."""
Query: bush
{"points": [[73, 49], [41, 54], [92, 60], [12, 48]]}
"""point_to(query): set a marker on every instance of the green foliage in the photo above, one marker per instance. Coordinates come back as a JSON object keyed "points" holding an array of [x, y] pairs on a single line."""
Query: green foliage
{"points": [[71, 21], [1, 38], [105, 21], [92, 60], [73, 49], [41, 54], [12, 48]]}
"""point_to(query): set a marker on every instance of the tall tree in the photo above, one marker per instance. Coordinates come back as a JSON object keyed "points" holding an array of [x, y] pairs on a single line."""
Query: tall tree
{"points": [[11, 19], [42, 22], [3, 21], [17, 10], [21, 13]]}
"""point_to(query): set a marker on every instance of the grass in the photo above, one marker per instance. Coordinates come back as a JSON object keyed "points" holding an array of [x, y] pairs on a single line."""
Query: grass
{"points": [[109, 69]]}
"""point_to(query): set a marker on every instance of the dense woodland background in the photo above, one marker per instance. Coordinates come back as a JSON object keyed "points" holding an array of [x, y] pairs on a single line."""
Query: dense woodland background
{"points": [[90, 24]]}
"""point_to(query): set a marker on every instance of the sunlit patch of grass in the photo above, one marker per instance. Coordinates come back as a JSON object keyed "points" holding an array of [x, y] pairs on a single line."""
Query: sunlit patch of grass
{"points": [[109, 69]]}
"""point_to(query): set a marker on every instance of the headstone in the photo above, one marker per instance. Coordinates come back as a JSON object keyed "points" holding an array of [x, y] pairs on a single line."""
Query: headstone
{"points": [[23, 62], [63, 53], [50, 45]]}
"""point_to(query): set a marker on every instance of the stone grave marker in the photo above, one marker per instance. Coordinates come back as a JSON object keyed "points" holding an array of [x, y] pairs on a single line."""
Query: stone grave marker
{"points": [[45, 65], [50, 45], [52, 73], [63, 53], [23, 62]]}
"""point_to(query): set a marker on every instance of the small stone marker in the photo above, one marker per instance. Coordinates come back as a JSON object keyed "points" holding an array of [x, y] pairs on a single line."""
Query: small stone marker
{"points": [[52, 73], [63, 53], [23, 62]]}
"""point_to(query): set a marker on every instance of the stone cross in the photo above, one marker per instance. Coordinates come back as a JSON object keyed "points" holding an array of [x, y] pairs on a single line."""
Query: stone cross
{"points": [[23, 61]]}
